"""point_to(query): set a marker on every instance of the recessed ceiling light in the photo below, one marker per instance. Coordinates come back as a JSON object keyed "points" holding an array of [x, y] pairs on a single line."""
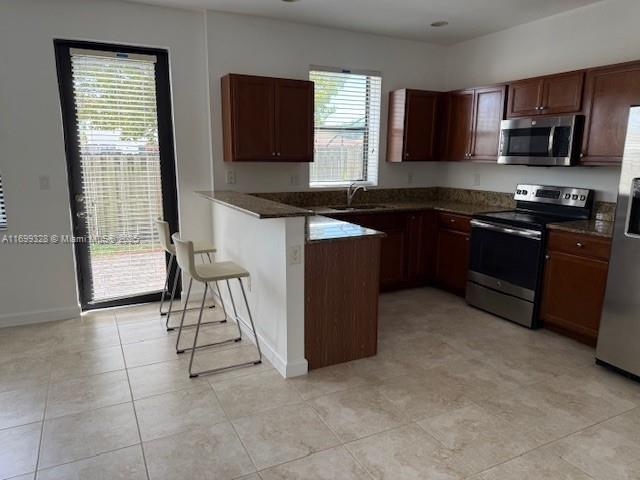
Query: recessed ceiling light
{"points": [[440, 23], [290, 1]]}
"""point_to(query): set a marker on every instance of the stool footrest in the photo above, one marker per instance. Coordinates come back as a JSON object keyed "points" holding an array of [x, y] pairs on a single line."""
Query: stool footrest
{"points": [[220, 369], [229, 340]]}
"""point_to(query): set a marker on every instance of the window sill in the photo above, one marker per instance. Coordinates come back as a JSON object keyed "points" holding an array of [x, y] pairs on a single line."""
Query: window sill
{"points": [[342, 185]]}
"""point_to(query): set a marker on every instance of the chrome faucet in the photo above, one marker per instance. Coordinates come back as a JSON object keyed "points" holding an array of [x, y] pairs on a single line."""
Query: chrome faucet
{"points": [[352, 190]]}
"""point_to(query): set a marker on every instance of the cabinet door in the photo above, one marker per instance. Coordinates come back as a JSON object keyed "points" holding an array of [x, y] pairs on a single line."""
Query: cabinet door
{"points": [[573, 294], [459, 125], [609, 92], [420, 125], [252, 127], [524, 98], [452, 263], [294, 120], [488, 112], [422, 237], [562, 93], [394, 247]]}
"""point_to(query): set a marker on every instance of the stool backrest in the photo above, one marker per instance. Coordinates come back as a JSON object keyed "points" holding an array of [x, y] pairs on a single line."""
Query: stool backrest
{"points": [[163, 232], [185, 255]]}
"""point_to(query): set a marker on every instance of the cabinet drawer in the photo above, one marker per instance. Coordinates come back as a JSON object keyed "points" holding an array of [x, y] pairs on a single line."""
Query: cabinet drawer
{"points": [[459, 223], [582, 245]]}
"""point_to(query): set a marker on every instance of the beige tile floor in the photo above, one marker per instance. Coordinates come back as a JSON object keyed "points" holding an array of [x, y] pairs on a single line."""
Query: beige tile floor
{"points": [[454, 393]]}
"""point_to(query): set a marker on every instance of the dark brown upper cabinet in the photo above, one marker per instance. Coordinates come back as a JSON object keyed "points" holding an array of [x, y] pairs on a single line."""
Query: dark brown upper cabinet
{"points": [[267, 119], [609, 92], [459, 125], [473, 123], [552, 94], [412, 126]]}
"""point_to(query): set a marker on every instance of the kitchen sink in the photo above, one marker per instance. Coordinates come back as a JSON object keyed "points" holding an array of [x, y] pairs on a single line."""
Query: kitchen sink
{"points": [[357, 207]]}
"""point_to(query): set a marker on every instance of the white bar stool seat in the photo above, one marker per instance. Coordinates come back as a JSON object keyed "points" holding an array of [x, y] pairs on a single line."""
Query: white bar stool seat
{"points": [[200, 248], [206, 273]]}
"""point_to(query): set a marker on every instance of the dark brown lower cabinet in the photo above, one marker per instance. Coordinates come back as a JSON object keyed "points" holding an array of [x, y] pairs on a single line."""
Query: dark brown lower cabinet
{"points": [[452, 262], [575, 279], [341, 300]]}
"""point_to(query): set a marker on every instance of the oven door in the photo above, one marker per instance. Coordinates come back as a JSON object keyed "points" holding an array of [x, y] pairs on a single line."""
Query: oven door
{"points": [[505, 258]]}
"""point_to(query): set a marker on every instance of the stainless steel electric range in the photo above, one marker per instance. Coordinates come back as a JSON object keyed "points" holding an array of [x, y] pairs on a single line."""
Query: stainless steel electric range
{"points": [[507, 250]]}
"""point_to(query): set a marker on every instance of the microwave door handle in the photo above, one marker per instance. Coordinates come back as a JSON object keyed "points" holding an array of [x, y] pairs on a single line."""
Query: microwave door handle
{"points": [[552, 135]]}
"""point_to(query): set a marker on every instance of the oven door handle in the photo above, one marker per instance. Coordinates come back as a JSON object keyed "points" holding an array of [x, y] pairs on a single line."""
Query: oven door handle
{"points": [[520, 232]]}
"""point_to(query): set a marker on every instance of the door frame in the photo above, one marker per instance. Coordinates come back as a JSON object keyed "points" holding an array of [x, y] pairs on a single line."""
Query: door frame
{"points": [[167, 158]]}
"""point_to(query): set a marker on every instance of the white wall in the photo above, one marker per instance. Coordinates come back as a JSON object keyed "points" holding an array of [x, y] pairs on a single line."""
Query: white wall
{"points": [[252, 45], [276, 289], [38, 282], [599, 34]]}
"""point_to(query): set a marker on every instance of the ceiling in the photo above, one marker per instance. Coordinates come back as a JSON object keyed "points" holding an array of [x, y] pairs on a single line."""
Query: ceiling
{"points": [[398, 18]]}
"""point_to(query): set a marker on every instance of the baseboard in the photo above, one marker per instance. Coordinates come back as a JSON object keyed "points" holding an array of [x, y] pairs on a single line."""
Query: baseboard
{"points": [[38, 316], [287, 370]]}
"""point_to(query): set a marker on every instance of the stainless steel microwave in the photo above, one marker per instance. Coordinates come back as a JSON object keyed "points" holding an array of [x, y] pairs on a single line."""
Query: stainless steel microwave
{"points": [[544, 141]]}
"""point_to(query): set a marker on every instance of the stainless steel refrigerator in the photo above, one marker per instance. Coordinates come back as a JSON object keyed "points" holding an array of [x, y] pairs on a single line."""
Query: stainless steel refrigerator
{"points": [[619, 338]]}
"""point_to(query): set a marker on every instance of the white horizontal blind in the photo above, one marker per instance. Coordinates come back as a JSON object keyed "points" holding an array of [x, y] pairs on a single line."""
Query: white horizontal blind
{"points": [[347, 127], [115, 100], [3, 210]]}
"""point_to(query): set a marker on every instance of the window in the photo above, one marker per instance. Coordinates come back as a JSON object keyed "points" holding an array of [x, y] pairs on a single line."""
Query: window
{"points": [[3, 211], [347, 127]]}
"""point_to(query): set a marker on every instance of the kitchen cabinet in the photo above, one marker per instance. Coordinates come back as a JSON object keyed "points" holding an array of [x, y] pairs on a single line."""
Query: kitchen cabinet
{"points": [[459, 124], [575, 277], [422, 236], [548, 95], [412, 125], [473, 123], [452, 254], [341, 300], [609, 92], [267, 119]]}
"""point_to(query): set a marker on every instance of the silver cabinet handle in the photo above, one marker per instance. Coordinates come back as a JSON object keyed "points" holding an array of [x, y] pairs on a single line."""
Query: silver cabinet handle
{"points": [[579, 245], [547, 257]]}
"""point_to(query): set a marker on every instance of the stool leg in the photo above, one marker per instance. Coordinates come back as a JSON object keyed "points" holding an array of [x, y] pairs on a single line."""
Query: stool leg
{"points": [[195, 338], [235, 312], [166, 284], [213, 305], [253, 327], [184, 312], [173, 296], [224, 310]]}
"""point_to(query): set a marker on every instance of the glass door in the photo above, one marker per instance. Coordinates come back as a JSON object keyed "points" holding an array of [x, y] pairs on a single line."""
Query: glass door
{"points": [[118, 133]]}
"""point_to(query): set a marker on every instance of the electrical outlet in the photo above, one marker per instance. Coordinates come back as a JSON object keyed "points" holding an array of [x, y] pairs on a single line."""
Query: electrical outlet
{"points": [[231, 177], [295, 254], [410, 178], [293, 180], [476, 180], [45, 182]]}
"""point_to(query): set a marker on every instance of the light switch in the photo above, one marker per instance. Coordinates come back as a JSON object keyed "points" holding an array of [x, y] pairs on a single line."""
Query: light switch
{"points": [[45, 182], [295, 254], [231, 177]]}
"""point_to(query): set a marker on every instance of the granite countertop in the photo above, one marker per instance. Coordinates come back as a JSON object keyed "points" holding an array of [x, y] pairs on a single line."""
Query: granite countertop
{"points": [[255, 206], [599, 228], [321, 229], [441, 205]]}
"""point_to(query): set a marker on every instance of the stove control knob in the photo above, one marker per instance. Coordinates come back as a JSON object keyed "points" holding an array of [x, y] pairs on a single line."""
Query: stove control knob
{"points": [[574, 197], [524, 192], [567, 196], [519, 192], [582, 198]]}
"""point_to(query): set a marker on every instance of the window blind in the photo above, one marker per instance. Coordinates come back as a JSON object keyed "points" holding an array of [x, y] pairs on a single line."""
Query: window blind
{"points": [[347, 126], [3, 210], [116, 114]]}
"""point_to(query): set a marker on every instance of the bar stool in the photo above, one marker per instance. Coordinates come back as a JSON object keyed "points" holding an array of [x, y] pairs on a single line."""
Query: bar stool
{"points": [[206, 273], [200, 248]]}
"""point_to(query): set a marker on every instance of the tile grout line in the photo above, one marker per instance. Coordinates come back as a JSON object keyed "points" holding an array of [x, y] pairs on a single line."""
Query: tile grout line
{"points": [[44, 416], [563, 437], [133, 404]]}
